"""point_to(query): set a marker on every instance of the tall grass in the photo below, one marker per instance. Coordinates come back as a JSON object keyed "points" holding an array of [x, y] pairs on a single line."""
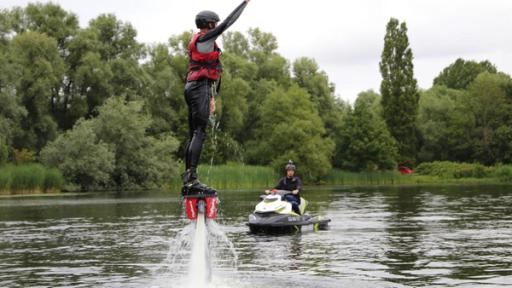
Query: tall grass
{"points": [[234, 176], [339, 177], [503, 173], [239, 176], [447, 169], [29, 178]]}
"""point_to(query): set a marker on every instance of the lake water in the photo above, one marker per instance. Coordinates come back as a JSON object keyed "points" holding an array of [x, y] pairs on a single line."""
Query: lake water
{"points": [[446, 236]]}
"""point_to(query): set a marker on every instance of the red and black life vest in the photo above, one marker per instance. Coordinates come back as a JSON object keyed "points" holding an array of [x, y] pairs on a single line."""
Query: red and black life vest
{"points": [[203, 65]]}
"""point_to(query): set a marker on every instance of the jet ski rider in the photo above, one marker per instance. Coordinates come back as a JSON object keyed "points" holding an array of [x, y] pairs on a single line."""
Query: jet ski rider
{"points": [[290, 183]]}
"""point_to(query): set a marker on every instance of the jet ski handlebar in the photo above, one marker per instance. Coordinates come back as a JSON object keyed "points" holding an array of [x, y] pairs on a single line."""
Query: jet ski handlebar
{"points": [[277, 192]]}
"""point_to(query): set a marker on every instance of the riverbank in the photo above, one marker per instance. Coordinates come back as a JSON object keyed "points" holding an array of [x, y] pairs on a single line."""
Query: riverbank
{"points": [[35, 179], [237, 176]]}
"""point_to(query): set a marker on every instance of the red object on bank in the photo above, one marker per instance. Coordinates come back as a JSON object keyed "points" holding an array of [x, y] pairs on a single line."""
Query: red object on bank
{"points": [[405, 170]]}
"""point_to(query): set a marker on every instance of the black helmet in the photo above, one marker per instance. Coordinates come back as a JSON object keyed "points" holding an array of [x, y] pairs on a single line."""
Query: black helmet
{"points": [[205, 17], [290, 166]]}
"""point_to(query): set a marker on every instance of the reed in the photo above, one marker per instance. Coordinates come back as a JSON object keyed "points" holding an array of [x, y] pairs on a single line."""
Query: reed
{"points": [[503, 173], [25, 177], [29, 178], [340, 177], [239, 176], [234, 176], [53, 179]]}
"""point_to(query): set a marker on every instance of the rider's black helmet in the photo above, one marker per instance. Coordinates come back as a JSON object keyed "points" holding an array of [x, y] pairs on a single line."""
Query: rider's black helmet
{"points": [[205, 17], [290, 166]]}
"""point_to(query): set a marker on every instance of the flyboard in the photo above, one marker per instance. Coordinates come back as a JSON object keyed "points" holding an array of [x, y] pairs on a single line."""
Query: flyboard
{"points": [[199, 207]]}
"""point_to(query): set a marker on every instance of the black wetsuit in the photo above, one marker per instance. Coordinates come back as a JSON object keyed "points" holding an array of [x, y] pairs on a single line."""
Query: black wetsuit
{"points": [[198, 93], [291, 184]]}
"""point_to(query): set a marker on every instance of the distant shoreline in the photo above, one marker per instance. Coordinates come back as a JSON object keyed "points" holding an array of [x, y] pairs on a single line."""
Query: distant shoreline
{"points": [[236, 177]]}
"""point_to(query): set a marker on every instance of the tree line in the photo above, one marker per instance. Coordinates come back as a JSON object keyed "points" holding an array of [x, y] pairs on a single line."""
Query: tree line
{"points": [[109, 111]]}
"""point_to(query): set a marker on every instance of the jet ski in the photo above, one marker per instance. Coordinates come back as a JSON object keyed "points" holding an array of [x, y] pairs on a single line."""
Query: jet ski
{"points": [[274, 215]]}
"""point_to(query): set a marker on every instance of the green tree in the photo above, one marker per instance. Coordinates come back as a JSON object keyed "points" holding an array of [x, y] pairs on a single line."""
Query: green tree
{"points": [[491, 109], [165, 99], [373, 100], [317, 84], [49, 19], [468, 126], [257, 94], [121, 50], [11, 109], [220, 147], [399, 90], [140, 160], [179, 51], [103, 60], [88, 81], [235, 43], [4, 23], [132, 158], [11, 113], [444, 125], [239, 67], [461, 73], [364, 141], [4, 151], [233, 108], [263, 53], [39, 71], [52, 20], [83, 159], [294, 131], [116, 37]]}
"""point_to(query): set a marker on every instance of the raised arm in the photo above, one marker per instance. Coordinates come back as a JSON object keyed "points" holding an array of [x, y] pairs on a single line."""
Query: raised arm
{"points": [[217, 31]]}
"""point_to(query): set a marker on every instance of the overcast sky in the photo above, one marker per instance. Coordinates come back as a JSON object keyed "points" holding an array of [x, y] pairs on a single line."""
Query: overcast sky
{"points": [[345, 37]]}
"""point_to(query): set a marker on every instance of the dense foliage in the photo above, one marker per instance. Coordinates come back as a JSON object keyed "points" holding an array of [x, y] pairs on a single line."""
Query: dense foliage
{"points": [[109, 111], [364, 140]]}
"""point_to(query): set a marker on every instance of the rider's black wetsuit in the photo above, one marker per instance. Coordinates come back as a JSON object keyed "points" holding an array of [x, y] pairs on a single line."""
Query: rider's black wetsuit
{"points": [[199, 92], [290, 184]]}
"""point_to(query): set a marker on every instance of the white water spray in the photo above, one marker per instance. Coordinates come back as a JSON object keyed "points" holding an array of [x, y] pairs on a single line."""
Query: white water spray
{"points": [[199, 270]]}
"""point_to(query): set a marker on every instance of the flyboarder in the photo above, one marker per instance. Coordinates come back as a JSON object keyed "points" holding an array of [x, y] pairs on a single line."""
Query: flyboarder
{"points": [[202, 84]]}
